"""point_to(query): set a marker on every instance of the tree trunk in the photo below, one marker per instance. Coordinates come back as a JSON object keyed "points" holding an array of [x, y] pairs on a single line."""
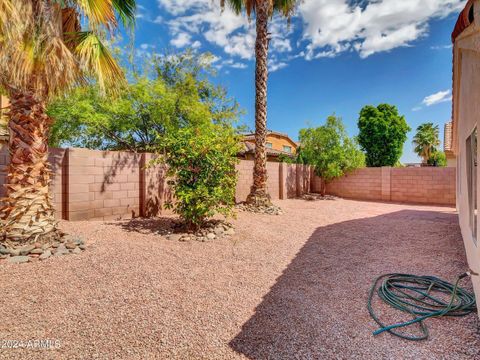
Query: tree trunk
{"points": [[259, 195], [27, 213]]}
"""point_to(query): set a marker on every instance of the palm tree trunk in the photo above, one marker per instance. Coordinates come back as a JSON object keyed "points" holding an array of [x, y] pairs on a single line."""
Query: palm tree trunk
{"points": [[259, 195], [27, 213]]}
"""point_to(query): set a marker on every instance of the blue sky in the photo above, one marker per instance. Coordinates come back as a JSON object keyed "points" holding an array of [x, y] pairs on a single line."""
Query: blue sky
{"points": [[335, 57]]}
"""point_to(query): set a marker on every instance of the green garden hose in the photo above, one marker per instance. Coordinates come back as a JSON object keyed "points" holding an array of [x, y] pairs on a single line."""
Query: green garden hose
{"points": [[423, 297]]}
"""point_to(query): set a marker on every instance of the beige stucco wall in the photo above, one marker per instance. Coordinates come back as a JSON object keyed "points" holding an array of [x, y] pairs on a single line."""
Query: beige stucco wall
{"points": [[466, 111]]}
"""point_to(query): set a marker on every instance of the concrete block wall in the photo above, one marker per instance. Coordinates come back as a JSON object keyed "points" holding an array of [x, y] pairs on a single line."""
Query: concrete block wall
{"points": [[364, 184], [425, 185], [285, 181], [102, 185], [111, 185], [428, 185]]}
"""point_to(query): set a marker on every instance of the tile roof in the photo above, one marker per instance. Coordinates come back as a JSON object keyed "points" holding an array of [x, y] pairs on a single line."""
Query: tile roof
{"points": [[447, 137], [269, 132], [464, 20]]}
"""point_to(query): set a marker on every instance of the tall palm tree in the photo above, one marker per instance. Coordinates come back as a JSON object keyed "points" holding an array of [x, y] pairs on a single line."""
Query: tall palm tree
{"points": [[46, 47], [263, 10], [426, 140]]}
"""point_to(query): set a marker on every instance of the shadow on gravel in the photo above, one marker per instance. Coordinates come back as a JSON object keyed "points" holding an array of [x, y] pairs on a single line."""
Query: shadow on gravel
{"points": [[317, 307], [145, 226]]}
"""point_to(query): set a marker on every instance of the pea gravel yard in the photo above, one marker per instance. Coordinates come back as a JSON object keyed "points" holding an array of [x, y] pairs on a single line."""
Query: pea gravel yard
{"points": [[292, 286]]}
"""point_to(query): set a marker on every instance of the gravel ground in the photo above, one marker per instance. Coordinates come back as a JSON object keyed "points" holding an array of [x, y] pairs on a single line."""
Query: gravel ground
{"points": [[284, 287]]}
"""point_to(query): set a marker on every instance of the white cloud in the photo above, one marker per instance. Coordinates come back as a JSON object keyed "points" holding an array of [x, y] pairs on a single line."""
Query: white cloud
{"points": [[225, 29], [274, 66], [181, 40], [441, 47], [437, 98], [329, 27], [334, 26]]}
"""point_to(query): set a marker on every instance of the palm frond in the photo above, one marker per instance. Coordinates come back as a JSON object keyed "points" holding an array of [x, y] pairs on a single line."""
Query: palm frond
{"points": [[98, 12], [126, 11], [97, 60]]}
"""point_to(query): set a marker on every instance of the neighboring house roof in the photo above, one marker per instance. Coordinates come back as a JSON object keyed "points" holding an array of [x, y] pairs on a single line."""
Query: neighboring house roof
{"points": [[249, 148], [251, 136], [447, 137]]}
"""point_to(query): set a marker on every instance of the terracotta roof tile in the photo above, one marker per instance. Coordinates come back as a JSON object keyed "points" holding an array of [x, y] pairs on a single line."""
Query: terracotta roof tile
{"points": [[447, 137], [464, 20]]}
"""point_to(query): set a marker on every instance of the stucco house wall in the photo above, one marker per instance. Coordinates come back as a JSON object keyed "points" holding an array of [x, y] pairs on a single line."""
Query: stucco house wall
{"points": [[466, 113]]}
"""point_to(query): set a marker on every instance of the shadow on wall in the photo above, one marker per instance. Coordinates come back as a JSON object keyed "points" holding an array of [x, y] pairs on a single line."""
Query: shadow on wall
{"points": [[291, 181], [153, 188], [317, 307]]}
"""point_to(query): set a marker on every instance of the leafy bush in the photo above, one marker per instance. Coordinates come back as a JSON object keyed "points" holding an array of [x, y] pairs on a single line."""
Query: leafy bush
{"points": [[437, 158], [201, 161], [383, 131], [330, 150]]}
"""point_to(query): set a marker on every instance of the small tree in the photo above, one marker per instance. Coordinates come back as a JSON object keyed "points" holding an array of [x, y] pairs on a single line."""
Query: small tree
{"points": [[437, 158], [201, 161], [426, 141], [330, 150], [175, 92], [382, 134]]}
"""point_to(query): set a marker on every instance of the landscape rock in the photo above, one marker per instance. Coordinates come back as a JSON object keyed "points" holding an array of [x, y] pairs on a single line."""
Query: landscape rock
{"points": [[25, 250], [230, 231], [211, 236], [36, 251], [46, 254], [70, 245], [174, 237], [14, 252], [77, 250], [18, 259]]}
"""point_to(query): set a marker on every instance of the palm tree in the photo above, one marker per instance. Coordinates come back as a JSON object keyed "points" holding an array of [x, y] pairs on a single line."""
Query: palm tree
{"points": [[47, 47], [263, 9], [426, 140]]}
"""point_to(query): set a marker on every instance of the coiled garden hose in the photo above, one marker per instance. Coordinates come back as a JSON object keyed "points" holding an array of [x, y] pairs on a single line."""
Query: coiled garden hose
{"points": [[422, 296]]}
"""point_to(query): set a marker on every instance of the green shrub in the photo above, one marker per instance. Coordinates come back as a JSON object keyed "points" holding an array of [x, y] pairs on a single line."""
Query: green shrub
{"points": [[437, 158], [201, 161]]}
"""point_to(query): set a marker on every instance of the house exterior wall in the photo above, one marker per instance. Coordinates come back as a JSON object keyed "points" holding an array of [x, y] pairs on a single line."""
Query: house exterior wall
{"points": [[466, 113], [278, 142]]}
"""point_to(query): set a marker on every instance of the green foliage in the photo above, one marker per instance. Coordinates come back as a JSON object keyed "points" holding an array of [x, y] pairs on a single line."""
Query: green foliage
{"points": [[437, 158], [426, 141], [202, 161], [174, 93], [330, 150], [382, 134]]}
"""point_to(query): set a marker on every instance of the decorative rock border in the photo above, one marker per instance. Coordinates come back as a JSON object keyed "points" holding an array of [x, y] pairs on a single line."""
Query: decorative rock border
{"points": [[270, 210], [66, 245], [211, 231], [315, 196]]}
